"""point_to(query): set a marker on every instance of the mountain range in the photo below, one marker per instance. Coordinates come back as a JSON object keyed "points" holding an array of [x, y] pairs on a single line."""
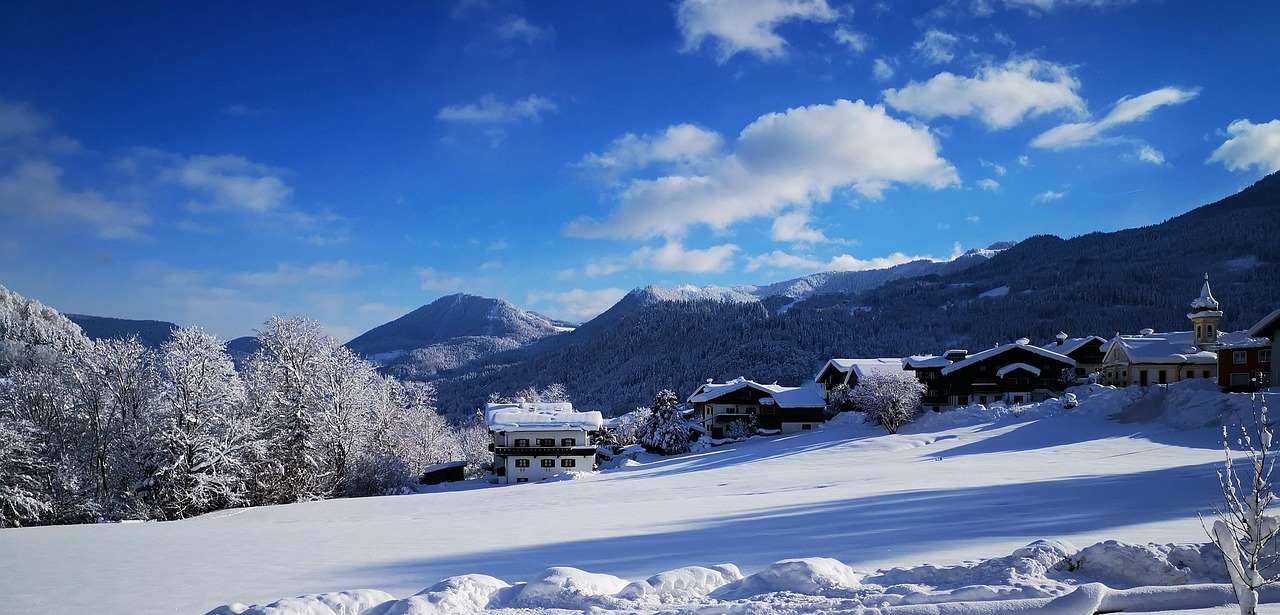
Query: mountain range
{"points": [[676, 337]]}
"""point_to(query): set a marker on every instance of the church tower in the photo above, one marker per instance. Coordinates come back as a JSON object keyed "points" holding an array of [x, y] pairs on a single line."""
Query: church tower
{"points": [[1204, 318]]}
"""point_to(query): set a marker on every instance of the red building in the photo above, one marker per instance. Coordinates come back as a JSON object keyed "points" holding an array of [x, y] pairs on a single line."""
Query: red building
{"points": [[1245, 366]]}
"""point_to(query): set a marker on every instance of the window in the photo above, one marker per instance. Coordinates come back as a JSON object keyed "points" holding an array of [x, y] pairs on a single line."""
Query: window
{"points": [[1239, 380], [1164, 376], [1204, 374], [522, 463], [1264, 355], [548, 463], [1239, 356], [546, 441], [522, 442], [768, 410], [806, 426], [568, 463], [522, 480], [566, 441]]}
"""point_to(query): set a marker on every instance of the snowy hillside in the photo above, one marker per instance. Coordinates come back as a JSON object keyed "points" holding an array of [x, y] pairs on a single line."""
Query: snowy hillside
{"points": [[878, 520]]}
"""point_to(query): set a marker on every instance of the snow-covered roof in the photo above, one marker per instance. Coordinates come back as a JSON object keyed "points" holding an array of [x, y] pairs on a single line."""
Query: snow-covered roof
{"points": [[1006, 370], [987, 354], [1205, 301], [1267, 326], [922, 361], [1070, 344], [863, 367], [540, 417], [1175, 347], [806, 396]]}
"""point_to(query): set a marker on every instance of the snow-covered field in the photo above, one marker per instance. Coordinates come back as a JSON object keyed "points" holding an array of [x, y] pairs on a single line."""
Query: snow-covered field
{"points": [[940, 518]]}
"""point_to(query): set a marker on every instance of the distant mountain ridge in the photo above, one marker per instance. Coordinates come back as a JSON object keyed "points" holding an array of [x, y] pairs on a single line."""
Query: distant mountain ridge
{"points": [[152, 333]]}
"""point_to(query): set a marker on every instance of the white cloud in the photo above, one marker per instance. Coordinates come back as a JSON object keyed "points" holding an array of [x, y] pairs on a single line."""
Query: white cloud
{"points": [[794, 227], [937, 47], [1047, 6], [882, 69], [498, 244], [782, 260], [435, 280], [855, 41], [489, 110], [679, 144], [1126, 110], [790, 159], [1250, 145], [673, 256], [1146, 153], [1024, 161], [845, 262], [287, 274], [745, 27], [1001, 96], [974, 219], [231, 183], [1049, 195], [999, 169], [515, 27], [988, 184], [33, 192], [578, 304]]}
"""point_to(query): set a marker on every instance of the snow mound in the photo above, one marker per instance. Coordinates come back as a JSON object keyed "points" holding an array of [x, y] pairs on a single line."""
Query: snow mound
{"points": [[682, 583], [813, 576], [355, 602], [1126, 565], [468, 593], [563, 585]]}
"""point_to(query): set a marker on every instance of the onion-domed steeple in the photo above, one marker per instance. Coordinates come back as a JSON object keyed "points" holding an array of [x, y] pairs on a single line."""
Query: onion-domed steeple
{"points": [[1205, 316]]}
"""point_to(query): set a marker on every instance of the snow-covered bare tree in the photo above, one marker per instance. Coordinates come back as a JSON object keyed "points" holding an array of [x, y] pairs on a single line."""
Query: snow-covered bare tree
{"points": [[474, 439], [741, 429], [22, 501], [890, 399], [206, 439], [1243, 529], [664, 432], [282, 380], [841, 400]]}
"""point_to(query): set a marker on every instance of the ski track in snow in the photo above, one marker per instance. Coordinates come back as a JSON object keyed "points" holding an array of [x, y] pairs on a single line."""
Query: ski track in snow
{"points": [[937, 519]]}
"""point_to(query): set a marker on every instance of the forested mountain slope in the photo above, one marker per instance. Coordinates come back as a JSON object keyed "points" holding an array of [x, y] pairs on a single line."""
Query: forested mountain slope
{"points": [[1099, 284]]}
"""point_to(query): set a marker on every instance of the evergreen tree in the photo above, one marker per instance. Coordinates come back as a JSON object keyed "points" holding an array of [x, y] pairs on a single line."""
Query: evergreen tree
{"points": [[664, 432]]}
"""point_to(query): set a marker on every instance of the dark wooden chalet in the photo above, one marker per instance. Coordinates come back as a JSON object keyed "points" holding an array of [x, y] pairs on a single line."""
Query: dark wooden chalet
{"points": [[776, 408], [1013, 373]]}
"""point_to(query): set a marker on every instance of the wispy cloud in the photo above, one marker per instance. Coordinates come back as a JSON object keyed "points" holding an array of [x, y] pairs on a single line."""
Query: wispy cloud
{"points": [[937, 47], [671, 256], [431, 279], [1001, 96], [1126, 110], [1049, 195], [489, 110], [578, 304], [745, 27], [33, 192], [857, 42], [230, 182], [988, 184], [1250, 145]]}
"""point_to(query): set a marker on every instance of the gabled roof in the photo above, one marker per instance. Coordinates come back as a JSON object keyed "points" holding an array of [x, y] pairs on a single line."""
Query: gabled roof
{"points": [[1177, 347], [998, 350], [1072, 344], [807, 396], [1012, 367], [540, 417], [1267, 326], [861, 367]]}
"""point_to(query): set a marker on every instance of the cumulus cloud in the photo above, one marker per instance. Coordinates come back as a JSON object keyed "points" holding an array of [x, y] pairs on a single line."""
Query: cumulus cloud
{"points": [[937, 47], [33, 192], [988, 184], [779, 259], [685, 144], [231, 183], [578, 304], [794, 227], [744, 27], [790, 159], [845, 262], [672, 256], [489, 110], [1250, 145], [1146, 153], [1126, 110], [1001, 96]]}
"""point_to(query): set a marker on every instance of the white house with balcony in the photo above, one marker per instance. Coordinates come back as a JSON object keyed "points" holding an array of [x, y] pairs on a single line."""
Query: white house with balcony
{"points": [[536, 441]]}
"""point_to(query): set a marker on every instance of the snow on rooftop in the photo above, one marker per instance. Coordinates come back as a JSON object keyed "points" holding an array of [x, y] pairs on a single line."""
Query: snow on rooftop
{"points": [[808, 395], [1171, 347], [986, 354], [864, 367], [540, 417]]}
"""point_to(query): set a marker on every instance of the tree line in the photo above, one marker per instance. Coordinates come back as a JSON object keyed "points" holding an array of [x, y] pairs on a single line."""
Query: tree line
{"points": [[95, 430]]}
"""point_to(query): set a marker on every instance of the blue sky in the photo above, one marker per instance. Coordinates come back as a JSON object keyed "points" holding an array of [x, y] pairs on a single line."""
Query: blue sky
{"points": [[349, 162]]}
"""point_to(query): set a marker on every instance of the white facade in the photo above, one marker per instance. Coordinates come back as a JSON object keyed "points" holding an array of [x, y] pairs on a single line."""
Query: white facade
{"points": [[536, 441]]}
